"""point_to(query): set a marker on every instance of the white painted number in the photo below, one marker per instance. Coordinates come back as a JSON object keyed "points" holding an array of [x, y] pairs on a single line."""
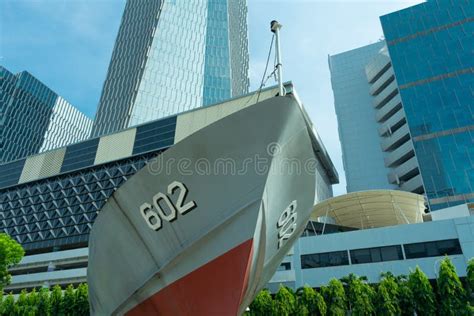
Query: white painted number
{"points": [[151, 218], [182, 209], [156, 214], [286, 224]]}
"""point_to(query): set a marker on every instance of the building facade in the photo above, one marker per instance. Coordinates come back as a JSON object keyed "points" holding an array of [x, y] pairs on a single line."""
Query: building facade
{"points": [[393, 132], [362, 157], [336, 251], [431, 48], [33, 118], [420, 98], [173, 56]]}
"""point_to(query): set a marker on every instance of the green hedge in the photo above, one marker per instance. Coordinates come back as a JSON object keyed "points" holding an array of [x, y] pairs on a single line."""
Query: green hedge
{"points": [[353, 295], [45, 302], [401, 295]]}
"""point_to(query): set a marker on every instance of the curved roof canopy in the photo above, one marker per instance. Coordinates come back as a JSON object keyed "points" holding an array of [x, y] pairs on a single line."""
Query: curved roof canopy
{"points": [[370, 209]]}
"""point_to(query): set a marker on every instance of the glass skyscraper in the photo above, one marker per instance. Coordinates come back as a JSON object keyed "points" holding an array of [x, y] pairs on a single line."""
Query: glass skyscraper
{"points": [[431, 46], [171, 56], [33, 118]]}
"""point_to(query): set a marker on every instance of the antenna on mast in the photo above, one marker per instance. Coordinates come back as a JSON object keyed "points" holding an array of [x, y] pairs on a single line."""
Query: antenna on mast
{"points": [[275, 28]]}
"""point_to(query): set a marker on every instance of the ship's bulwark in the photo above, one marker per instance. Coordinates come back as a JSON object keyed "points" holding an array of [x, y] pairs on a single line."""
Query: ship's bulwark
{"points": [[236, 195]]}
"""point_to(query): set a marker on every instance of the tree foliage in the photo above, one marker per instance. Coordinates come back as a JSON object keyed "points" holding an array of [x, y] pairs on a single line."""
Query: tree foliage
{"points": [[82, 300], [8, 305], [405, 297], [335, 298], [387, 296], [470, 280], [42, 302], [392, 296], [262, 304], [55, 301], [450, 290], [285, 302], [310, 301], [68, 300], [359, 294], [423, 296], [11, 253]]}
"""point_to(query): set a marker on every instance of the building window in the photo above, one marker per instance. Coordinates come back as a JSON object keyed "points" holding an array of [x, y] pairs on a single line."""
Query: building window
{"points": [[284, 266], [377, 254], [328, 259], [433, 249]]}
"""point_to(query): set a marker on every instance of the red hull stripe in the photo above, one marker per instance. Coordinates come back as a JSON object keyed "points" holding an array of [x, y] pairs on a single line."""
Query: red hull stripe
{"points": [[215, 288]]}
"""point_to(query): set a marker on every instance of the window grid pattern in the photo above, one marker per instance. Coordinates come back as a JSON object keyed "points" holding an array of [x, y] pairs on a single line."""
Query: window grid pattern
{"points": [[156, 135], [10, 173], [80, 155], [431, 47], [239, 52], [67, 126], [126, 66], [432, 249], [358, 134], [60, 211], [25, 112], [217, 72], [377, 254], [436, 248], [34, 119], [173, 56], [327, 259], [172, 79]]}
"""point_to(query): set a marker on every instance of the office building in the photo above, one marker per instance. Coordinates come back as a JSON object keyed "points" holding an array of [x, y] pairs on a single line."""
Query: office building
{"points": [[173, 56], [377, 148], [48, 202], [374, 232], [394, 136], [420, 95], [431, 49], [363, 159], [33, 118]]}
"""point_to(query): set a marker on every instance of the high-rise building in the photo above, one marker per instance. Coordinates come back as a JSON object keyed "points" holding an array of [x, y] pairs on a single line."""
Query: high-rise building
{"points": [[172, 56], [419, 95], [33, 118], [395, 141], [431, 47], [362, 158], [377, 149]]}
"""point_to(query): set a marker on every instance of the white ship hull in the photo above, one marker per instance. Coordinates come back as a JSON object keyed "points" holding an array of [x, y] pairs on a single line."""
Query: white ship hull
{"points": [[203, 227]]}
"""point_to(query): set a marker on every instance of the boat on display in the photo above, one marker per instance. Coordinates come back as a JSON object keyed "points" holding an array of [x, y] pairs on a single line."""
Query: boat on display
{"points": [[204, 234], [203, 226]]}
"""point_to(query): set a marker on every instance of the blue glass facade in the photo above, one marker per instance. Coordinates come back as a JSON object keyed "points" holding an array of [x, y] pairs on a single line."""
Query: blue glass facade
{"points": [[173, 56], [34, 118], [431, 46], [217, 60], [25, 111]]}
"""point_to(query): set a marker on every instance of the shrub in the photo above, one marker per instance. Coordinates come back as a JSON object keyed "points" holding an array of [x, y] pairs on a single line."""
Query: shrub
{"points": [[335, 298], [423, 296], [451, 293]]}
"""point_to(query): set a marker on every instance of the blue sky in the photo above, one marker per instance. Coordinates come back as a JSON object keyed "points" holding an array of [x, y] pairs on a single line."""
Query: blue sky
{"points": [[67, 44]]}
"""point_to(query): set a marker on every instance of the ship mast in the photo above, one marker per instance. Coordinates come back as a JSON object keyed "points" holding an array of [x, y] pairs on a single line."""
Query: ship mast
{"points": [[275, 28]]}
